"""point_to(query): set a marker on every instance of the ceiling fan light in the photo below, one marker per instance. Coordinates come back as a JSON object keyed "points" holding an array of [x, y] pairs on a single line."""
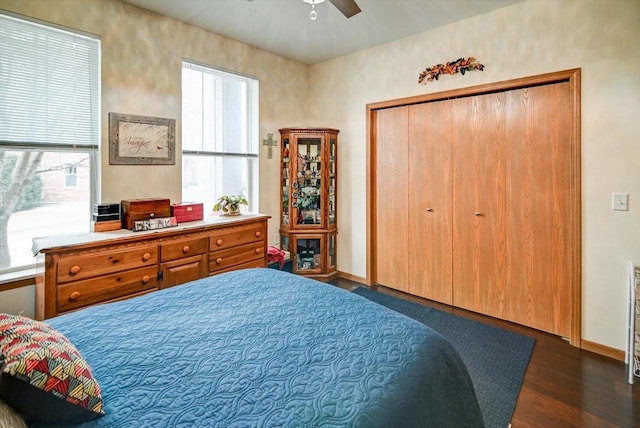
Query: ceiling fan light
{"points": [[313, 15]]}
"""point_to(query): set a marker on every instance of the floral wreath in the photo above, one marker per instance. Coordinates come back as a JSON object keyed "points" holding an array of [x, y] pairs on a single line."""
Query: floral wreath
{"points": [[461, 65]]}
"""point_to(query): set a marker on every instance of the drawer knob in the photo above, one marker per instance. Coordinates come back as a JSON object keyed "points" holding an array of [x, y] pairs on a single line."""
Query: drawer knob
{"points": [[145, 279], [219, 242], [146, 256], [258, 234], [185, 249], [75, 295], [219, 260], [258, 250], [74, 269]]}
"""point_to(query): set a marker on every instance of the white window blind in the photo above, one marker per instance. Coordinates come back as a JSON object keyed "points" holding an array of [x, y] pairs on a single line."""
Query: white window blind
{"points": [[50, 127], [49, 85]]}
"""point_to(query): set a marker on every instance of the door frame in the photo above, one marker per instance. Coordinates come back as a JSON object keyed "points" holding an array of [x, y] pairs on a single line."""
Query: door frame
{"points": [[571, 76]]}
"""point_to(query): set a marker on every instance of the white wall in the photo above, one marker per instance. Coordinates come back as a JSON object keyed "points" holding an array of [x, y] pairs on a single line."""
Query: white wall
{"points": [[525, 39]]}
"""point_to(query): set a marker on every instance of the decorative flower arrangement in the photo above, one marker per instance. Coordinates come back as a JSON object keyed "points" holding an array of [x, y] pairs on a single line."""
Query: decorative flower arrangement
{"points": [[461, 65]]}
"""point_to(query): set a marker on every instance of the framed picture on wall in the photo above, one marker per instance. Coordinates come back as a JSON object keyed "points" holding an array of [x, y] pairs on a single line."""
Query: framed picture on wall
{"points": [[141, 140]]}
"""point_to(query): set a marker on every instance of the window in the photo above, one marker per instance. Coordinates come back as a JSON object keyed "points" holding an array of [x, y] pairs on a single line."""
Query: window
{"points": [[71, 177], [219, 135], [49, 134]]}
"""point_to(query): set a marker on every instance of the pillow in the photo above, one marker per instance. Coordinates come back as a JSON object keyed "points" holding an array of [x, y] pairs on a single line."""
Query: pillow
{"points": [[43, 376], [9, 418]]}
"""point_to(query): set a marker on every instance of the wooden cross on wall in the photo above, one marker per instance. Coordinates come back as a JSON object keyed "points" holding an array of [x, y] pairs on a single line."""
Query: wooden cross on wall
{"points": [[269, 142]]}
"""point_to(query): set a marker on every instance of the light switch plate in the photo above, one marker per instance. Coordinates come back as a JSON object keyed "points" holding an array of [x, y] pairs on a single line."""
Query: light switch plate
{"points": [[620, 202]]}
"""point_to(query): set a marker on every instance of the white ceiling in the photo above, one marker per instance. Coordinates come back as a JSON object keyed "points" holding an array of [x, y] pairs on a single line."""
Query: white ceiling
{"points": [[283, 26]]}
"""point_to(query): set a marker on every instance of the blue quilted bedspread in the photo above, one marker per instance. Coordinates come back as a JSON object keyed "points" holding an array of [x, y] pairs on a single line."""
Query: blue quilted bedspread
{"points": [[265, 348]]}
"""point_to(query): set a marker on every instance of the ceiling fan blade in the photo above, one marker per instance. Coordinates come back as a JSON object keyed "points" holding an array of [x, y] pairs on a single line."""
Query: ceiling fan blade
{"points": [[347, 7]]}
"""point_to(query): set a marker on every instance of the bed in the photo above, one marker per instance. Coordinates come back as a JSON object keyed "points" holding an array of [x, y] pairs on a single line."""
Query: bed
{"points": [[266, 348]]}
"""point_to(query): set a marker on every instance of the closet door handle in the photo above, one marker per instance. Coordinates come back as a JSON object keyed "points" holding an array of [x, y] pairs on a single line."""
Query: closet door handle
{"points": [[429, 210], [477, 213]]}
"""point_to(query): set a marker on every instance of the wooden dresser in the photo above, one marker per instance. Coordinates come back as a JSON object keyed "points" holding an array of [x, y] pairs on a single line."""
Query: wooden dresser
{"points": [[81, 270]]}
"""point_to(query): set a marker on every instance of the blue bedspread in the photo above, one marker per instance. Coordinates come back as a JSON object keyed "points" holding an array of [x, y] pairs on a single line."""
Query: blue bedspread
{"points": [[265, 348]]}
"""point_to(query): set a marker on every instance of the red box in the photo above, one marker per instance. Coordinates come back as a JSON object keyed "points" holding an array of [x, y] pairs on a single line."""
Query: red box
{"points": [[187, 211]]}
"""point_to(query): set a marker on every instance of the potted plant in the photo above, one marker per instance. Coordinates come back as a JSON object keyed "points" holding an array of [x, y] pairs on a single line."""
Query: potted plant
{"points": [[230, 204]]}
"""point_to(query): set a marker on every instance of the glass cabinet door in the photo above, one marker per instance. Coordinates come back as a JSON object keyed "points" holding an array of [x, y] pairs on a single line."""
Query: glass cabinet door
{"points": [[332, 181], [331, 248], [307, 255], [285, 181], [307, 186], [284, 242]]}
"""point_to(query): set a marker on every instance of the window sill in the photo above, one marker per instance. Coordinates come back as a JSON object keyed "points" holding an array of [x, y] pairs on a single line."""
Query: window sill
{"points": [[19, 278]]}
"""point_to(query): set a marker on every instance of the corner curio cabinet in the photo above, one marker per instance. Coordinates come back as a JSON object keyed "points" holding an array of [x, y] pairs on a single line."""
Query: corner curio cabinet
{"points": [[309, 214]]}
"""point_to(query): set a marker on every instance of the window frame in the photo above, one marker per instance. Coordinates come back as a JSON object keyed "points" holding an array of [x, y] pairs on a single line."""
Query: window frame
{"points": [[70, 172], [90, 148], [252, 129]]}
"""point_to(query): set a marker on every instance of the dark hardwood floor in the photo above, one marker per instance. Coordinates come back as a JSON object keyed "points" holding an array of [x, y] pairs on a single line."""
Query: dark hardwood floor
{"points": [[564, 386]]}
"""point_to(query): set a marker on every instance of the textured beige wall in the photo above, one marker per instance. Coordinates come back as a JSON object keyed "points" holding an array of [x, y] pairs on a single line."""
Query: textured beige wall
{"points": [[141, 75], [142, 56], [529, 38]]}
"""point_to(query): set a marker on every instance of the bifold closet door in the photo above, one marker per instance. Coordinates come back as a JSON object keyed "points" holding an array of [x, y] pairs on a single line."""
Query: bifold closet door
{"points": [[430, 228], [479, 205], [512, 201], [540, 200], [391, 193]]}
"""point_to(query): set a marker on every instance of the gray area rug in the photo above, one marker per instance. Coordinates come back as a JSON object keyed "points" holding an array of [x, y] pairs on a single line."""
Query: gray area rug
{"points": [[496, 359]]}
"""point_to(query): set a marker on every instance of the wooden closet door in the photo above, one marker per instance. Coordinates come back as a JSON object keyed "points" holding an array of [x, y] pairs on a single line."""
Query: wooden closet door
{"points": [[429, 240], [515, 199], [391, 216], [538, 186], [479, 205]]}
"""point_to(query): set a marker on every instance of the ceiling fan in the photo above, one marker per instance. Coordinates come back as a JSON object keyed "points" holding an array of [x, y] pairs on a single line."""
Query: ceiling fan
{"points": [[347, 7]]}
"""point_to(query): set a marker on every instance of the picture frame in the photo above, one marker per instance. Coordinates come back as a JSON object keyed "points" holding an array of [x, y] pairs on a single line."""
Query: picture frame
{"points": [[141, 140]]}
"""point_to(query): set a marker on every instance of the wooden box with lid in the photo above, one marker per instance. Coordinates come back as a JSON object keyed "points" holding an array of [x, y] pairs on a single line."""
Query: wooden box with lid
{"points": [[143, 209]]}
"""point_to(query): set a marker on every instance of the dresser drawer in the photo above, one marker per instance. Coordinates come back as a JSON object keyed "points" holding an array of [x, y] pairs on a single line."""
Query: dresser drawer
{"points": [[237, 235], [74, 268], [186, 248], [248, 265], [219, 260], [83, 293]]}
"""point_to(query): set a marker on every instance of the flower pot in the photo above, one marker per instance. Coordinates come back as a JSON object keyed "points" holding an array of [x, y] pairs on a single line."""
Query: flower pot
{"points": [[232, 212]]}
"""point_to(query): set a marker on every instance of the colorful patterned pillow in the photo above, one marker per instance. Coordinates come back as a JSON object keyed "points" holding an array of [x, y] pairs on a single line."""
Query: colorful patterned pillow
{"points": [[43, 376]]}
